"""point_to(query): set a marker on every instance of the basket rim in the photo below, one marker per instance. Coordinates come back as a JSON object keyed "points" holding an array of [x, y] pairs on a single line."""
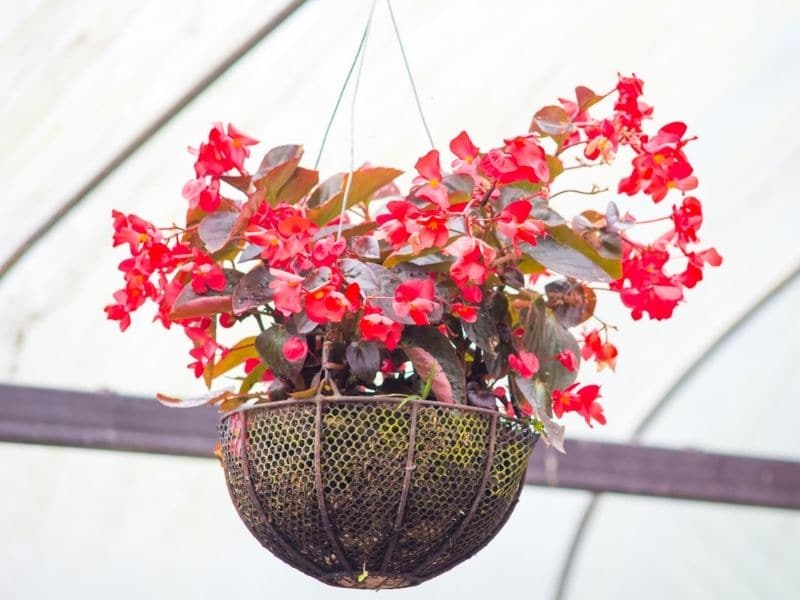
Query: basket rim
{"points": [[377, 399]]}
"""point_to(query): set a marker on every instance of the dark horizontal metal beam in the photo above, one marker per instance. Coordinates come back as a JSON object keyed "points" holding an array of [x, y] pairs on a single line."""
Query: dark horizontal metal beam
{"points": [[113, 422], [668, 473]]}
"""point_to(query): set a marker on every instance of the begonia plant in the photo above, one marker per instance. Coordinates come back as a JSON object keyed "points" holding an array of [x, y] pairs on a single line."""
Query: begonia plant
{"points": [[477, 286]]}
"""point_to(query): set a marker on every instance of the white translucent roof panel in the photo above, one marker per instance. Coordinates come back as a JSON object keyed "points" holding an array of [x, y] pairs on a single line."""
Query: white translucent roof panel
{"points": [[647, 548], [95, 524], [84, 521], [80, 80], [283, 90], [744, 398]]}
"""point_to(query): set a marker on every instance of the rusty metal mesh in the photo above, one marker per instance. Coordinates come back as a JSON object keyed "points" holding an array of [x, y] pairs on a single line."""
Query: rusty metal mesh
{"points": [[342, 487]]}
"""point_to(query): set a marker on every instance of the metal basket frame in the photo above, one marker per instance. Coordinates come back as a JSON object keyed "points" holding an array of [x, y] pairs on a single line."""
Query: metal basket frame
{"points": [[328, 549]]}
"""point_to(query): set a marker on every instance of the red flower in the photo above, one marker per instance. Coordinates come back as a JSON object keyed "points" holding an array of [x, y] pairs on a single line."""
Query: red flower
{"points": [[206, 273], [432, 189], [134, 231], [414, 298], [286, 288], [630, 108], [521, 159], [525, 363], [201, 332], [222, 152], [515, 225], [649, 289], [694, 268], [327, 251], [467, 154], [465, 312], [582, 401], [326, 304], [568, 359], [603, 141], [432, 231], [202, 194], [604, 353], [284, 233], [687, 220], [660, 165], [470, 268], [375, 326], [400, 223], [295, 349]]}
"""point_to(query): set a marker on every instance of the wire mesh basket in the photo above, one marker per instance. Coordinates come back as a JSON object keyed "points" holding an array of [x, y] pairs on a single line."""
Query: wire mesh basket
{"points": [[373, 492]]}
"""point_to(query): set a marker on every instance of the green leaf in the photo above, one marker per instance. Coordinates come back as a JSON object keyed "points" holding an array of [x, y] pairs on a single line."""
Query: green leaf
{"points": [[275, 169], [555, 166], [215, 229], [537, 395], [252, 290], [566, 236], [427, 348], [349, 230], [299, 184], [364, 359], [365, 182], [565, 252], [252, 378], [397, 258], [269, 345], [240, 352], [546, 337]]}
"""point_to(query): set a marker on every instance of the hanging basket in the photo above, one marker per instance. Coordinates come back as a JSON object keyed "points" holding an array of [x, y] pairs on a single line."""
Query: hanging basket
{"points": [[372, 492]]}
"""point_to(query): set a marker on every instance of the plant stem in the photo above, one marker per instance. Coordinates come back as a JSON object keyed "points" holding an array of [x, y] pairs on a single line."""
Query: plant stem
{"points": [[593, 192]]}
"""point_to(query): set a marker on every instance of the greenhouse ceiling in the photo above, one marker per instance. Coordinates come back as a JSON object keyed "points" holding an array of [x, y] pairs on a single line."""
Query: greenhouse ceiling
{"points": [[101, 100]]}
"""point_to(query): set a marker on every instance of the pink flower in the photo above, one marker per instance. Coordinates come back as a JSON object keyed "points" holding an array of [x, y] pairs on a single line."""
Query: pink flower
{"points": [[414, 298], [525, 363], [431, 189], [375, 326], [467, 153], [295, 349], [286, 288]]}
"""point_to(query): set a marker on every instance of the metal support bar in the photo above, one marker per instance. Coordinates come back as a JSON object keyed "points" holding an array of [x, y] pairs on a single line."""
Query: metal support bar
{"points": [[113, 422]]}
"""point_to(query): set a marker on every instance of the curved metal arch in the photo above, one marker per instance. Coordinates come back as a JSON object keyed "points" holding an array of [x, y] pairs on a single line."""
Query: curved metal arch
{"points": [[658, 408]]}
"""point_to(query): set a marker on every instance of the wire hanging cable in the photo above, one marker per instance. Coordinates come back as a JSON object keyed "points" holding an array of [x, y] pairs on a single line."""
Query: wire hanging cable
{"points": [[346, 194], [359, 51], [410, 76]]}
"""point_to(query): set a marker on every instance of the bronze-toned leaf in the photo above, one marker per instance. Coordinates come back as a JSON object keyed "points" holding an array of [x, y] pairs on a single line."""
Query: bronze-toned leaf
{"points": [[546, 338], [275, 169], [364, 359], [215, 229], [252, 290], [431, 352], [572, 302], [301, 182], [365, 182], [210, 398]]}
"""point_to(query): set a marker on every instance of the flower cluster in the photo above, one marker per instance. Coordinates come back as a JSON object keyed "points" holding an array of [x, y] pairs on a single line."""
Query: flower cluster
{"points": [[472, 287]]}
